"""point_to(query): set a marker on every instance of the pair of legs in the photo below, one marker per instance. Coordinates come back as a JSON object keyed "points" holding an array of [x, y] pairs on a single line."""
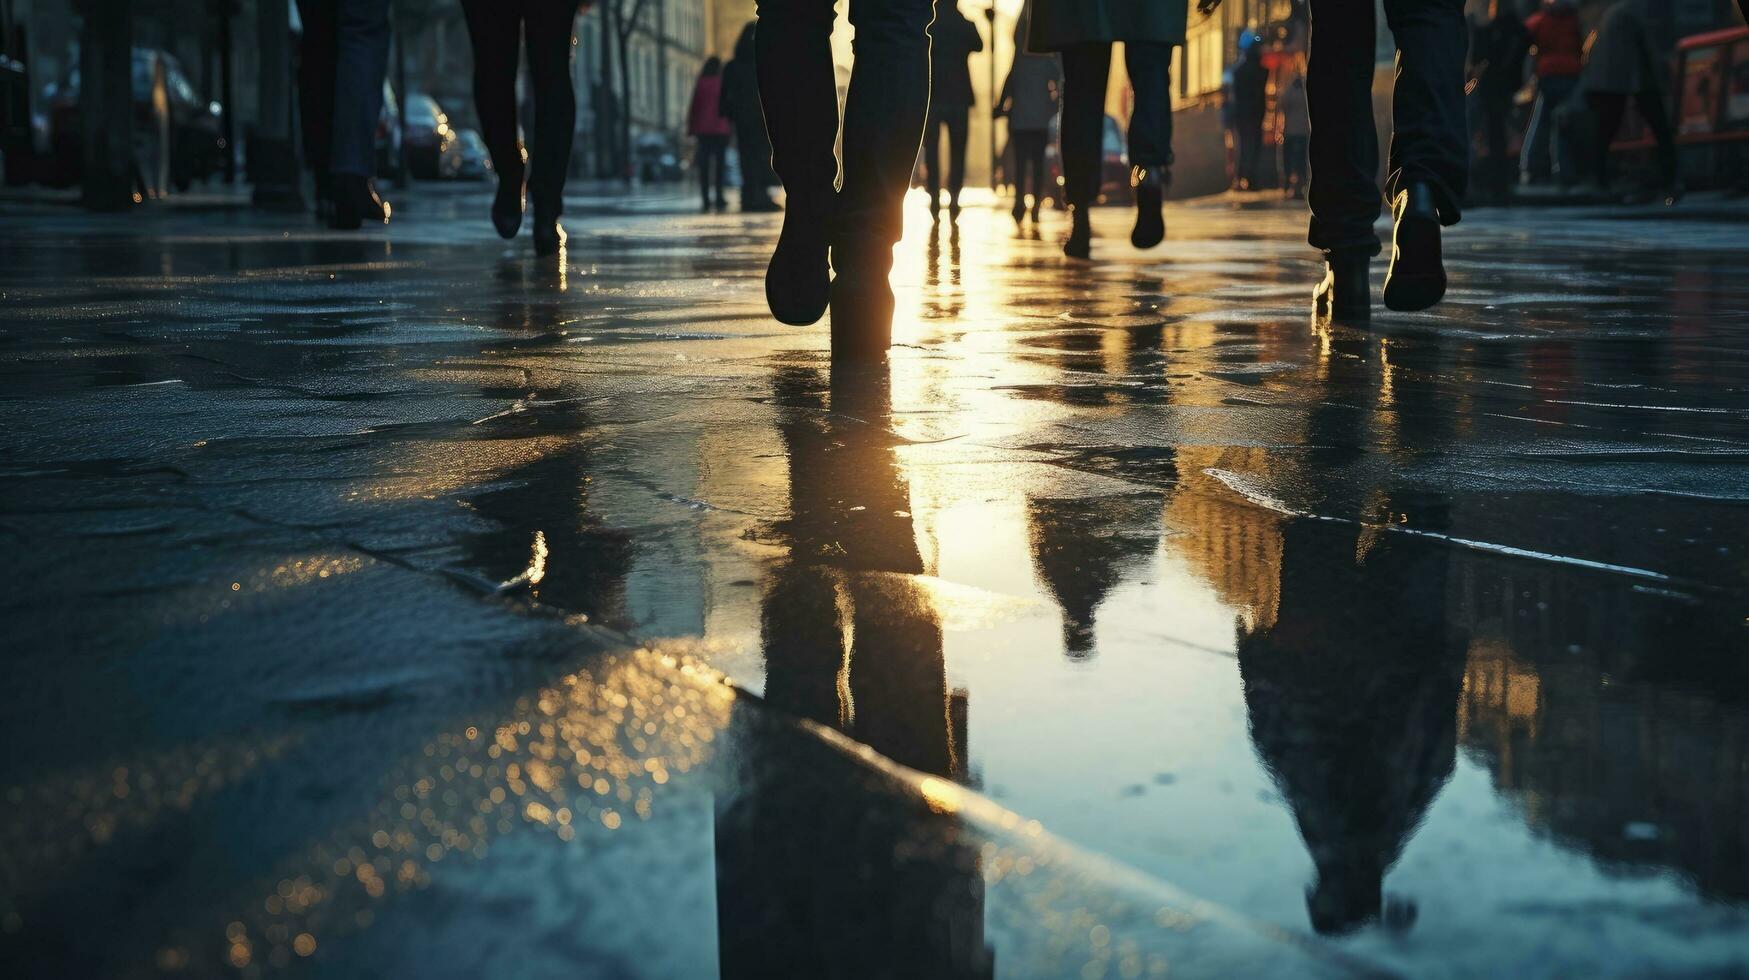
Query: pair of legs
{"points": [[1293, 163], [1495, 178], [712, 160], [1028, 147], [1086, 68], [1429, 158], [1250, 133], [953, 119], [1534, 160], [497, 29], [857, 219], [345, 54], [1610, 107]]}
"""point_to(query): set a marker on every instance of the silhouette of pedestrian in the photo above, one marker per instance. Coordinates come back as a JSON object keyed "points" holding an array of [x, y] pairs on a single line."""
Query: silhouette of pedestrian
{"points": [[741, 106], [1496, 71], [953, 40], [1029, 100], [830, 226], [1294, 134], [1624, 63], [1250, 82], [497, 28], [706, 123], [1429, 163], [1082, 32], [1554, 30]]}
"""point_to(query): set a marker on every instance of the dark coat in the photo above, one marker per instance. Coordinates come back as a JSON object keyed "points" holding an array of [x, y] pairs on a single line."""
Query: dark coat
{"points": [[1057, 24], [953, 39]]}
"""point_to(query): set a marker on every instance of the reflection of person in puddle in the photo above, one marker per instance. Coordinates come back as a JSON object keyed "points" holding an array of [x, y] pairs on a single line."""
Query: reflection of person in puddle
{"points": [[822, 870], [1352, 685]]}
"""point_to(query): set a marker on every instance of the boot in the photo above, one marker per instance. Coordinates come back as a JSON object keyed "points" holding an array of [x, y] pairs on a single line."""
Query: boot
{"points": [[1080, 242], [355, 202], [508, 205], [549, 235], [798, 281], [1416, 279], [861, 298], [1150, 189], [1345, 293]]}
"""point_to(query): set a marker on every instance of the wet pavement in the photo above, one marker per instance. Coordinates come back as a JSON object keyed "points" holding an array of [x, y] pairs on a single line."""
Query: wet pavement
{"points": [[392, 604]]}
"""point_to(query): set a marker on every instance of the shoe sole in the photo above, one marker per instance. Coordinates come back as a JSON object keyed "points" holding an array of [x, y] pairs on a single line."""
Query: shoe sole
{"points": [[1408, 293]]}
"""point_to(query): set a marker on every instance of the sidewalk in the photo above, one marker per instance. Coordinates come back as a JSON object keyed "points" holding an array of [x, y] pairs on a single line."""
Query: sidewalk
{"points": [[1711, 205]]}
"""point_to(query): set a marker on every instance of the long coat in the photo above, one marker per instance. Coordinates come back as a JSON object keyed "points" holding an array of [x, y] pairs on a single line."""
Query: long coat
{"points": [[953, 40], [1056, 24], [1624, 59]]}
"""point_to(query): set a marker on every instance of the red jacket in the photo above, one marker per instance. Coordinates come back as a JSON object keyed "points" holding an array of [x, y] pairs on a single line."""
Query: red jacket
{"points": [[1559, 44], [706, 117]]}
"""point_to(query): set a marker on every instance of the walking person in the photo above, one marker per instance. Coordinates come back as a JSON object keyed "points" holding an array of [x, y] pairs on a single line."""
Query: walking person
{"points": [[1250, 84], [1429, 165], [848, 226], [318, 58], [705, 122], [1082, 32], [1496, 72], [1624, 63], [361, 61], [1559, 45], [1294, 130], [953, 39], [741, 107], [497, 30], [1029, 100]]}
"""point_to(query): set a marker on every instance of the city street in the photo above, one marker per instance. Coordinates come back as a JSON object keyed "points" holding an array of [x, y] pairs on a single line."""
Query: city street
{"points": [[391, 603]]}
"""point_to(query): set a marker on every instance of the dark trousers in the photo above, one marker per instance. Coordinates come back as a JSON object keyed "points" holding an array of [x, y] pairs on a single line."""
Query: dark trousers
{"points": [[1293, 161], [361, 60], [883, 113], [1610, 107], [318, 55], [1494, 174], [1086, 67], [952, 119], [1428, 127], [1028, 146], [712, 160], [497, 29], [1250, 133]]}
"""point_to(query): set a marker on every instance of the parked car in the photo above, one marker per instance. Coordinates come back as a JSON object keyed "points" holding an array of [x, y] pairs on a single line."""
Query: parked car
{"points": [[657, 160], [194, 142], [428, 135], [465, 158]]}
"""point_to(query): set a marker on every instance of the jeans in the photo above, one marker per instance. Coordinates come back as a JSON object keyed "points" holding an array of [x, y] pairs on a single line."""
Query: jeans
{"points": [[1533, 159], [712, 160], [317, 55], [497, 29], [883, 113], [1428, 139], [953, 119], [362, 59], [1028, 146], [1086, 67]]}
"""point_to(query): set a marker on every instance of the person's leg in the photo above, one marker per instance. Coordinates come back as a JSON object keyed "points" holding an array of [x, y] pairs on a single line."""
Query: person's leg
{"points": [[316, 66], [956, 120], [494, 36], [1039, 146], [1608, 107], [1651, 105], [883, 119], [1082, 135], [932, 159], [1427, 116], [720, 160], [1150, 137], [1342, 191], [701, 161], [1559, 92], [798, 91], [362, 60], [547, 27]]}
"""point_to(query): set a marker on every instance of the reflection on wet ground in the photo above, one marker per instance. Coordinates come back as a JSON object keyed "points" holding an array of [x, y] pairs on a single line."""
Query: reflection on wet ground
{"points": [[396, 605]]}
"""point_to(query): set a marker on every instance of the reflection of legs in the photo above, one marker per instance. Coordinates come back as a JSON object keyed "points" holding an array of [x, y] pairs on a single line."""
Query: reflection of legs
{"points": [[1427, 115], [932, 160], [955, 119], [1343, 192], [804, 645], [898, 679], [798, 91], [548, 26]]}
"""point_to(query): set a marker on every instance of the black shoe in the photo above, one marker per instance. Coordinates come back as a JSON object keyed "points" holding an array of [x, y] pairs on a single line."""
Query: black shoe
{"points": [[549, 236], [934, 209], [507, 206], [1416, 279], [1345, 293], [1080, 242], [862, 301], [799, 278], [1150, 188], [355, 202]]}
